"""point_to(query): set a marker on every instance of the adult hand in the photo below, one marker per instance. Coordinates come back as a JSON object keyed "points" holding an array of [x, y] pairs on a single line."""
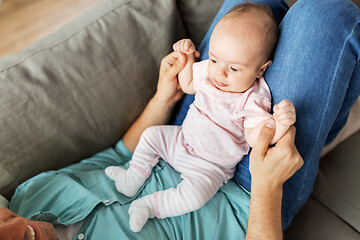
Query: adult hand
{"points": [[168, 88], [186, 46], [270, 167], [159, 109]]}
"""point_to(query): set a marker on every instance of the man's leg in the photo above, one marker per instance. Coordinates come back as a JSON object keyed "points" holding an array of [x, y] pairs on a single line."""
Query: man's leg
{"points": [[315, 66], [279, 7]]}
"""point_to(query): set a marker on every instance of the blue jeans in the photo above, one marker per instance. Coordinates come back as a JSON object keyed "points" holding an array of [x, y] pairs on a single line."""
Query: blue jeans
{"points": [[316, 67]]}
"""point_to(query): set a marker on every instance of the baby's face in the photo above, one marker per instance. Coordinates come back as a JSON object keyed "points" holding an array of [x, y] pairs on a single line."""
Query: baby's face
{"points": [[235, 58]]}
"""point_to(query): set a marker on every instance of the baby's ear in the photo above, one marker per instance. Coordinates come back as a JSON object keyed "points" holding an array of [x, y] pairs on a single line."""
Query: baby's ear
{"points": [[263, 68]]}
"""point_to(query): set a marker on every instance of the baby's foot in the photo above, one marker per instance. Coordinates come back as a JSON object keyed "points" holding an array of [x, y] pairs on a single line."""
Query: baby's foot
{"points": [[127, 182], [140, 211]]}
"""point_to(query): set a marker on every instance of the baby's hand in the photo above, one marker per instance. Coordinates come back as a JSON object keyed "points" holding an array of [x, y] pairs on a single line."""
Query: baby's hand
{"points": [[284, 113], [186, 46]]}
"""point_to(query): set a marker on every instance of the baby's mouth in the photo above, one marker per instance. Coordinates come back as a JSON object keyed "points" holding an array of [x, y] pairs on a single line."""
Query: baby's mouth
{"points": [[220, 84]]}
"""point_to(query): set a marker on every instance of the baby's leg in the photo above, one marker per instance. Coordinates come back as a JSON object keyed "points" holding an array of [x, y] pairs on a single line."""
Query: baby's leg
{"points": [[191, 194], [155, 142]]}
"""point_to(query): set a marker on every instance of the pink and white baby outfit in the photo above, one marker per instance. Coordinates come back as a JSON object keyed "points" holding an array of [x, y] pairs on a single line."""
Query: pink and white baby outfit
{"points": [[207, 147]]}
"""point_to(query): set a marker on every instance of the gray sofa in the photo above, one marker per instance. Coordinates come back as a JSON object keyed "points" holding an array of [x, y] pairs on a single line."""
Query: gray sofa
{"points": [[76, 91]]}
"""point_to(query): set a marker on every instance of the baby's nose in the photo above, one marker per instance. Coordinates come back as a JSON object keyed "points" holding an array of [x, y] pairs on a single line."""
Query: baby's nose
{"points": [[221, 72]]}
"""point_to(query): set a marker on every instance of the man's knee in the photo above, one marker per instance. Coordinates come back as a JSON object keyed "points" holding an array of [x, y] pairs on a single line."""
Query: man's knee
{"points": [[332, 12]]}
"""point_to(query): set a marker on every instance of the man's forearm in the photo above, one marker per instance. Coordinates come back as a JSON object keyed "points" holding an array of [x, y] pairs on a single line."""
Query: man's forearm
{"points": [[157, 112], [265, 214]]}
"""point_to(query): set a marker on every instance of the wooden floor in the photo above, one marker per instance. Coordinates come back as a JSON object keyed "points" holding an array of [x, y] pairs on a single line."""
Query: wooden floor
{"points": [[24, 21]]}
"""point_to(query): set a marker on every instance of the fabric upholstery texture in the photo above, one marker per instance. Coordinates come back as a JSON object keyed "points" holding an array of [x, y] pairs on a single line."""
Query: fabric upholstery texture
{"points": [[338, 181], [316, 222], [76, 91], [196, 24], [67, 96]]}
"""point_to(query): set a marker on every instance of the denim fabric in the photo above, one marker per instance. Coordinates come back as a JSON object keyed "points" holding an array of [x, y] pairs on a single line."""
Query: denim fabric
{"points": [[316, 67]]}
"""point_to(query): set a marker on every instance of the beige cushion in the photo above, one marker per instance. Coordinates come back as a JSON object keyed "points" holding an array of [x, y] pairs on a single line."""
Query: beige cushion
{"points": [[316, 222], [76, 91], [338, 181]]}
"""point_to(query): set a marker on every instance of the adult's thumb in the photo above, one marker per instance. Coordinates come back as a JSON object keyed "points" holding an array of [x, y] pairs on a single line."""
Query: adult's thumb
{"points": [[179, 63], [264, 138]]}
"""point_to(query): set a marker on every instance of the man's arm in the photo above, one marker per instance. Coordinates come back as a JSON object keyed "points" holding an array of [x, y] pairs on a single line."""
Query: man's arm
{"points": [[270, 168], [159, 109], [265, 213]]}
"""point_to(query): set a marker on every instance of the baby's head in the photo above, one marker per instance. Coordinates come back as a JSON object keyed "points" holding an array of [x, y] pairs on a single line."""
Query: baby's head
{"points": [[241, 47]]}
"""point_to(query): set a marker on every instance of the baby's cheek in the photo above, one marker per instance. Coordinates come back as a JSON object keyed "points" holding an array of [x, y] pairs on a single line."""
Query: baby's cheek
{"points": [[211, 73]]}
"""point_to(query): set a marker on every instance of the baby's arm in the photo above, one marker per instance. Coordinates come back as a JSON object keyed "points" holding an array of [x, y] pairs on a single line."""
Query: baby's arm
{"points": [[284, 115], [185, 77]]}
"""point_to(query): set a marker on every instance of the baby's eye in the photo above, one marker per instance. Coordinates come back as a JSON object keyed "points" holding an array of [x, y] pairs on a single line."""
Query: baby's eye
{"points": [[213, 60], [233, 69]]}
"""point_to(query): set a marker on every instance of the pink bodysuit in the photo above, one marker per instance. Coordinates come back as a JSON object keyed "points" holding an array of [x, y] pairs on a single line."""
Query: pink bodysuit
{"points": [[207, 147]]}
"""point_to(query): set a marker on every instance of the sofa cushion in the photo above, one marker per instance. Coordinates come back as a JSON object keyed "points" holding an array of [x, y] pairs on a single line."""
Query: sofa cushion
{"points": [[4, 203], [75, 92], [317, 222], [197, 16], [338, 181]]}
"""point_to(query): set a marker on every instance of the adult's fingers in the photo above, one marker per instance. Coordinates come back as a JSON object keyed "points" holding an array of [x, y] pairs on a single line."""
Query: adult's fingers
{"points": [[175, 62], [263, 140], [288, 138], [287, 144]]}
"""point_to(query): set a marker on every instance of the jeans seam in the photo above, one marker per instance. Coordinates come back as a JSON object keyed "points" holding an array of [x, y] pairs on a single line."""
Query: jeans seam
{"points": [[328, 99]]}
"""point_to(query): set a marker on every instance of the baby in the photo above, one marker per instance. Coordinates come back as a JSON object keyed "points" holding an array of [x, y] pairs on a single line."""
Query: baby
{"points": [[232, 102]]}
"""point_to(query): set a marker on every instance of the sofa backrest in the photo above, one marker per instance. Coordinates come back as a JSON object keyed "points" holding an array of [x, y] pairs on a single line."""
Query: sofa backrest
{"points": [[75, 92]]}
